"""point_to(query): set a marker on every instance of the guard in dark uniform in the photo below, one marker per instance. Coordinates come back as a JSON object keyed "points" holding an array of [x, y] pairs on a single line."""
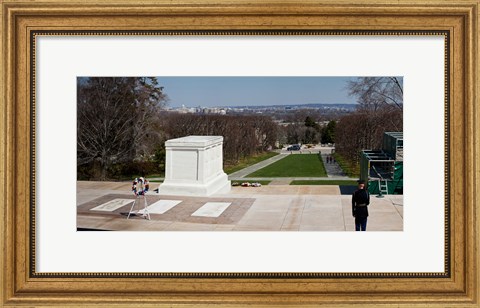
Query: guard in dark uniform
{"points": [[360, 202]]}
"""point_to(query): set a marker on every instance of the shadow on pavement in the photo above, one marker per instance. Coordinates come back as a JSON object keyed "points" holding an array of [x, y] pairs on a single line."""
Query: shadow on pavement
{"points": [[90, 229], [347, 189]]}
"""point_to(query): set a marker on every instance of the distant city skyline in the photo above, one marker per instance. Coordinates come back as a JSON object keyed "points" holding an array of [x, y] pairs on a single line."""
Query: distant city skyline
{"points": [[255, 91]]}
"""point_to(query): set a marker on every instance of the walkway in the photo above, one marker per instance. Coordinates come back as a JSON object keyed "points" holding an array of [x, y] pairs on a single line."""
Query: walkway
{"points": [[332, 168], [250, 169], [266, 208]]}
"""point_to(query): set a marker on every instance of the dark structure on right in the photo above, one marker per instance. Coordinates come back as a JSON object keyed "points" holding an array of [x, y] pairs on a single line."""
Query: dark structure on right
{"points": [[382, 169]]}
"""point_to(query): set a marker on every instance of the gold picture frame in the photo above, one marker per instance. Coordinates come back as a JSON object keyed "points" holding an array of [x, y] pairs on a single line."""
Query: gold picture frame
{"points": [[458, 286]]}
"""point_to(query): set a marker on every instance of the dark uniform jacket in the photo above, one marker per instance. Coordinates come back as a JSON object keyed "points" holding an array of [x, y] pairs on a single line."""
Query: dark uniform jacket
{"points": [[360, 200]]}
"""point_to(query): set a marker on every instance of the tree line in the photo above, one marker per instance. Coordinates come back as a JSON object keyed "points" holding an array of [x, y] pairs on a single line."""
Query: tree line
{"points": [[122, 128], [122, 125], [379, 109], [242, 135], [309, 132], [115, 117]]}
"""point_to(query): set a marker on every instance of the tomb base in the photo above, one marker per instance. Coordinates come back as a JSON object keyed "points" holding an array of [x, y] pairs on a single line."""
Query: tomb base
{"points": [[194, 167], [219, 185]]}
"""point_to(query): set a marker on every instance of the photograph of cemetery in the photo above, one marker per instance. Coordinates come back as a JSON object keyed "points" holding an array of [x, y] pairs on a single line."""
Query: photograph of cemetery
{"points": [[240, 153]]}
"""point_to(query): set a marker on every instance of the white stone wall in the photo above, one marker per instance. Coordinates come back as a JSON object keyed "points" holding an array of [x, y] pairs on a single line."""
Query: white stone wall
{"points": [[194, 166]]}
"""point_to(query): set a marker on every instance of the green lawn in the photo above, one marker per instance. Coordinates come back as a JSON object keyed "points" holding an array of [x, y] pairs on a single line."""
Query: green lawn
{"points": [[294, 165], [323, 182], [350, 171], [248, 161]]}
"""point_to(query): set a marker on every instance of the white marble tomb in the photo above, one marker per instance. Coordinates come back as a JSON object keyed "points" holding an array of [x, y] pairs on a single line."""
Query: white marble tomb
{"points": [[194, 167]]}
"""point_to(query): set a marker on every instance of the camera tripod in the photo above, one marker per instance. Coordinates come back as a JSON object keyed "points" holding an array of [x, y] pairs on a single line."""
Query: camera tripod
{"points": [[146, 214]]}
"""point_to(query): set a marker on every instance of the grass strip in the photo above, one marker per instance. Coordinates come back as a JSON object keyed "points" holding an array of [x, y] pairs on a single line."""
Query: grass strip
{"points": [[294, 165], [347, 167], [324, 182], [248, 161]]}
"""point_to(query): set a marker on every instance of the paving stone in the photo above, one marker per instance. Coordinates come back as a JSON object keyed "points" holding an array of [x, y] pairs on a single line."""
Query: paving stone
{"points": [[212, 209], [266, 208], [293, 217], [280, 182], [161, 206], [112, 205]]}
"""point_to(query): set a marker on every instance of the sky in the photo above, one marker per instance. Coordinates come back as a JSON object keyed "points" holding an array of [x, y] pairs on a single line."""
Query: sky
{"points": [[264, 91]]}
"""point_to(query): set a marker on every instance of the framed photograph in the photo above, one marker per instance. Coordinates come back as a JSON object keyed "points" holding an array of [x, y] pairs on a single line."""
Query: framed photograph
{"points": [[126, 117]]}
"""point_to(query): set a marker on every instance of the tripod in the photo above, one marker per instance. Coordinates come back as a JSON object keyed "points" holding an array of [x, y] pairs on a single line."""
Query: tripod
{"points": [[144, 186], [146, 214]]}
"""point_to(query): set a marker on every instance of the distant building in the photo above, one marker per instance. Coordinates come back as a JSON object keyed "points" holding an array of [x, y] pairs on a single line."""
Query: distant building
{"points": [[184, 109]]}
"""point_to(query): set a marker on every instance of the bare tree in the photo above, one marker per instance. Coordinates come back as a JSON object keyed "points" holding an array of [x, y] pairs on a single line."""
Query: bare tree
{"points": [[363, 130], [374, 92], [149, 100], [243, 135], [379, 109], [113, 118], [266, 132]]}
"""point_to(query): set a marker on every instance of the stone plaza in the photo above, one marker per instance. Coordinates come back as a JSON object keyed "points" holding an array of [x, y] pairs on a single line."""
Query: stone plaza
{"points": [[103, 206]]}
